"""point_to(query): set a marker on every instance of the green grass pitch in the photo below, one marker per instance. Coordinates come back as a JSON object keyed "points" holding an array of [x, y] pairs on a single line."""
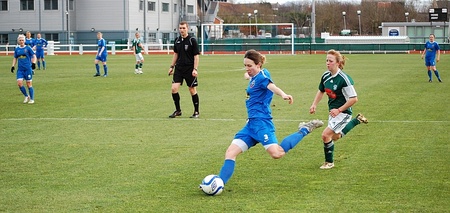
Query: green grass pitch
{"points": [[107, 145]]}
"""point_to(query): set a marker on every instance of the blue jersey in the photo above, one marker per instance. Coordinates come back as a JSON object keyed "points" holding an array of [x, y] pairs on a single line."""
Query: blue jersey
{"points": [[23, 56], [431, 49], [102, 45], [40, 44], [29, 42], [259, 96]]}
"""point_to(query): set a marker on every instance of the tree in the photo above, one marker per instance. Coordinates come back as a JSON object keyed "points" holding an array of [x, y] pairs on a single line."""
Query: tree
{"points": [[329, 13]]}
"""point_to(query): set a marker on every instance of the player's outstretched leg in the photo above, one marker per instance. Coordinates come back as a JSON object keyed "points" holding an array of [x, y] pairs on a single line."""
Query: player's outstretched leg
{"points": [[304, 129], [354, 122], [227, 170]]}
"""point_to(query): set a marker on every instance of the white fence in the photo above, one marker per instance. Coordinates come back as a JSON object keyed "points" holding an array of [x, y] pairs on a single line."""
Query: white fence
{"points": [[54, 48]]}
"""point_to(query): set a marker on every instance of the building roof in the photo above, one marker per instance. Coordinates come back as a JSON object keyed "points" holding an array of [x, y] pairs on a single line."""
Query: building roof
{"points": [[413, 24]]}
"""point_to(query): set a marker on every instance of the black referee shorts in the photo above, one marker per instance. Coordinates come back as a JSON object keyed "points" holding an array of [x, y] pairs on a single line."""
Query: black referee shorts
{"points": [[185, 73]]}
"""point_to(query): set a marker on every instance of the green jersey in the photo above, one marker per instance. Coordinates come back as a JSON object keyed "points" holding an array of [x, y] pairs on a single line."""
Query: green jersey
{"points": [[339, 89], [137, 45]]}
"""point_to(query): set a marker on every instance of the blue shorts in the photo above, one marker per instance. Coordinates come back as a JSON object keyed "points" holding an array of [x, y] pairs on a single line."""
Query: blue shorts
{"points": [[40, 53], [258, 131], [430, 62], [101, 58], [25, 74]]}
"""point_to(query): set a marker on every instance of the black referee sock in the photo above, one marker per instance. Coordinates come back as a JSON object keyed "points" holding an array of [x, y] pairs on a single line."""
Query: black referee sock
{"points": [[195, 101], [176, 101]]}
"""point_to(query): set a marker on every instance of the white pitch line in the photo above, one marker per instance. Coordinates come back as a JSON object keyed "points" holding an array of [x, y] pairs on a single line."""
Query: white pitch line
{"points": [[410, 121], [189, 119]]}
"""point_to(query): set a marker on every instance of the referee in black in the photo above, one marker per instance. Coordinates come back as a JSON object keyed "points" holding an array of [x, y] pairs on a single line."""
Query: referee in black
{"points": [[184, 66]]}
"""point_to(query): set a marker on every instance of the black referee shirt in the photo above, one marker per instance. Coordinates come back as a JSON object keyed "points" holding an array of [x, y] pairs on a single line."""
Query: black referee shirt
{"points": [[186, 48]]}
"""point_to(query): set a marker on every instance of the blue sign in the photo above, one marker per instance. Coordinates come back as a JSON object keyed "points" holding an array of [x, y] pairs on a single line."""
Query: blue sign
{"points": [[394, 32]]}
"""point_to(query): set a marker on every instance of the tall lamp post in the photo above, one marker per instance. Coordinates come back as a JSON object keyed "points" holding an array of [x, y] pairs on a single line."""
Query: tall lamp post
{"points": [[250, 22], [68, 21], [359, 20], [343, 15], [68, 26], [313, 22], [256, 21], [406, 16]]}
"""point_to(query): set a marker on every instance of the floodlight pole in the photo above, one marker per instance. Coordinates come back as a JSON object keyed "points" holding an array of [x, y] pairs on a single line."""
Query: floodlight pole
{"points": [[359, 20], [345, 24], [256, 21], [250, 22], [313, 22]]}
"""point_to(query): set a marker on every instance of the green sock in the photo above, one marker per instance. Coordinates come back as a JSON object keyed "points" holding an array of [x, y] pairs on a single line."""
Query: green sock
{"points": [[350, 125], [140, 65], [136, 66], [328, 149]]}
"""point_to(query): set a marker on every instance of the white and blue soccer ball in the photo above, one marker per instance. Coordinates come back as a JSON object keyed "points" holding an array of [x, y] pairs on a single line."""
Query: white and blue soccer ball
{"points": [[212, 185]]}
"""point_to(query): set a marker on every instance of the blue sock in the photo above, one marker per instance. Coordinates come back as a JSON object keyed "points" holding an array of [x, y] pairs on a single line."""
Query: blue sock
{"points": [[31, 90], [39, 65], [292, 140], [97, 67], [429, 74], [24, 91], [105, 68], [43, 64], [436, 72], [227, 170]]}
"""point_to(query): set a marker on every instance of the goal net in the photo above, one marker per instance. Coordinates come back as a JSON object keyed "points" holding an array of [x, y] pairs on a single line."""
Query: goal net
{"points": [[276, 38]]}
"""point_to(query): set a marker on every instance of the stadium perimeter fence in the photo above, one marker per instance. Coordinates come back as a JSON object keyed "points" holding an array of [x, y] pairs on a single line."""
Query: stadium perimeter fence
{"points": [[268, 46]]}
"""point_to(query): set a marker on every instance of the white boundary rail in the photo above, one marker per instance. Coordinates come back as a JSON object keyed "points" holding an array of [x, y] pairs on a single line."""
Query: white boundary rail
{"points": [[57, 48]]}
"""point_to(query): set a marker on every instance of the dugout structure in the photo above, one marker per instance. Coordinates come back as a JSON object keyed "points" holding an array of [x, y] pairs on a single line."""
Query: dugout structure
{"points": [[242, 37]]}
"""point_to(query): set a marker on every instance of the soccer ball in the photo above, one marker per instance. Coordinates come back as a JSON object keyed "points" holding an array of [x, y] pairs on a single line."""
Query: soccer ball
{"points": [[212, 185]]}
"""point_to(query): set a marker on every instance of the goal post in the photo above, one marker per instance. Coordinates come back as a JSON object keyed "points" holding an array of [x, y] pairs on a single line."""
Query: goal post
{"points": [[233, 38]]}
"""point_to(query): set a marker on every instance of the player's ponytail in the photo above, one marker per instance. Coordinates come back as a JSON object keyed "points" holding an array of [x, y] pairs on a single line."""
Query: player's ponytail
{"points": [[342, 63]]}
